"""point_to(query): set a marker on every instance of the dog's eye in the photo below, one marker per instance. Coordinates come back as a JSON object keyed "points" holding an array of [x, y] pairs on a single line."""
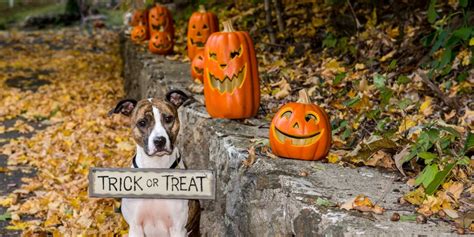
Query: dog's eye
{"points": [[141, 123], [168, 118]]}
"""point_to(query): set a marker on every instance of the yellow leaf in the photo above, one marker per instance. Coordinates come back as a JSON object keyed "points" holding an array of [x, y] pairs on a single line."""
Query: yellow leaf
{"points": [[6, 201], [471, 42], [333, 158], [52, 220], [415, 197], [125, 146], [455, 189], [317, 22], [425, 107], [406, 124], [387, 56], [360, 66], [17, 226], [393, 32], [333, 64]]}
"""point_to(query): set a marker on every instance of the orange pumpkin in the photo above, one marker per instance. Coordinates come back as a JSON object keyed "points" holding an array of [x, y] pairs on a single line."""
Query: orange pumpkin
{"points": [[160, 43], [139, 16], [300, 130], [160, 19], [139, 33], [201, 25], [197, 66], [231, 83]]}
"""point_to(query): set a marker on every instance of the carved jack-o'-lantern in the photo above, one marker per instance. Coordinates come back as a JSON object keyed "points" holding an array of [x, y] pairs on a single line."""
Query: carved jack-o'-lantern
{"points": [[201, 25], [139, 16], [300, 131], [160, 43], [231, 83], [160, 19], [139, 33], [197, 66]]}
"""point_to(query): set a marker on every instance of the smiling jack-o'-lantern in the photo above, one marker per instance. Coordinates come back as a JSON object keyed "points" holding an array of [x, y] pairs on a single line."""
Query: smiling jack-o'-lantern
{"points": [[160, 19], [300, 131], [139, 16], [201, 25], [231, 83], [160, 43], [197, 66], [139, 33]]}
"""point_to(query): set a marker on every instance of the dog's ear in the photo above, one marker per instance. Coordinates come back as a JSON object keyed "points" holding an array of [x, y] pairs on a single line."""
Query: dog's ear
{"points": [[176, 97], [124, 107]]}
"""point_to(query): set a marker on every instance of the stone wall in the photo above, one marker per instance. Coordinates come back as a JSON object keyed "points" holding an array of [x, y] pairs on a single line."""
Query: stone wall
{"points": [[270, 198]]}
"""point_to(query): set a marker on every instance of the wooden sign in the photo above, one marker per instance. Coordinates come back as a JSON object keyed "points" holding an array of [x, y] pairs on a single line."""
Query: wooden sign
{"points": [[151, 183]]}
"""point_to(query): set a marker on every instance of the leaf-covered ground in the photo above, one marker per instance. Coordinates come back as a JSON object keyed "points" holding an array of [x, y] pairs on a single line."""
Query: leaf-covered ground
{"points": [[81, 82]]}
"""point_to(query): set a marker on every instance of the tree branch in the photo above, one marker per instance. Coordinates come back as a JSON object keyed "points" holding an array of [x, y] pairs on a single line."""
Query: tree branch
{"points": [[451, 102]]}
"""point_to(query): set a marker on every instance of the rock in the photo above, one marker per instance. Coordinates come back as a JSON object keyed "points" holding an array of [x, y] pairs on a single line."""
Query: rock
{"points": [[271, 197]]}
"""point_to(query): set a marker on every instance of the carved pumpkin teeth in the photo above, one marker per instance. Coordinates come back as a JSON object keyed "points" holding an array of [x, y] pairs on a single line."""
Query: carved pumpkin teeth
{"points": [[157, 27], [228, 85], [198, 44], [295, 141]]}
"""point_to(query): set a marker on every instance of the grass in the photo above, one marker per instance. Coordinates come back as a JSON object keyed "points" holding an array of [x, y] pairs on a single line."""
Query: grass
{"points": [[17, 14], [114, 17]]}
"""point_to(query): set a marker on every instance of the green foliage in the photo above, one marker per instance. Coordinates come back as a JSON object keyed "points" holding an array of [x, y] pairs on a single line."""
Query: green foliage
{"points": [[5, 216], [448, 38], [72, 7], [436, 147], [339, 45], [338, 78]]}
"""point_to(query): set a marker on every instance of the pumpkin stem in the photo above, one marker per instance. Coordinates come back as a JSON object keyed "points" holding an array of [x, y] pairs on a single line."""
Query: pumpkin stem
{"points": [[228, 26], [303, 97], [202, 9]]}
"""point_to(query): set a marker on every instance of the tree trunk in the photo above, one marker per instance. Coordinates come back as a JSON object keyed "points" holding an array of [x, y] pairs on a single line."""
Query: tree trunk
{"points": [[268, 17], [279, 15]]}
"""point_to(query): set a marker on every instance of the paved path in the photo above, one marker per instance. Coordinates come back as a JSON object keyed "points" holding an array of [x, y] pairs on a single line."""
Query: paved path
{"points": [[10, 176]]}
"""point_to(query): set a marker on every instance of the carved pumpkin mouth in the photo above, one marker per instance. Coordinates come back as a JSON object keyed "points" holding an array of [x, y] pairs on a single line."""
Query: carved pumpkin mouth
{"points": [[296, 140], [159, 27], [198, 44], [228, 84], [199, 70], [161, 46]]}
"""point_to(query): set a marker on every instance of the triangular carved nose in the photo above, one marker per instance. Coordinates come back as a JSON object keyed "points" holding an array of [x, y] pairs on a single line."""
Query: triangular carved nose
{"points": [[296, 125]]}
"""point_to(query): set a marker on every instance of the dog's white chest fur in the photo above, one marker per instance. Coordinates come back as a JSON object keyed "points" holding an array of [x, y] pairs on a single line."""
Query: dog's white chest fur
{"points": [[156, 217]]}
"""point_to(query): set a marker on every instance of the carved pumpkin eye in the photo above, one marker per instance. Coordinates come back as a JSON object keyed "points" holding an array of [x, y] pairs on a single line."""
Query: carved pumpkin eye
{"points": [[309, 117], [213, 56], [200, 57], [236, 53], [287, 114], [194, 26], [205, 26]]}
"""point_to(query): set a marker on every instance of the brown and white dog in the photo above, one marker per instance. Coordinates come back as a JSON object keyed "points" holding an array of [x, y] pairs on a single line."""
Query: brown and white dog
{"points": [[155, 126]]}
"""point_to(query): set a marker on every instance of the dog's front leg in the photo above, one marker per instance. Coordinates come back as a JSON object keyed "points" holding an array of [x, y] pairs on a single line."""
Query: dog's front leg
{"points": [[136, 231]]}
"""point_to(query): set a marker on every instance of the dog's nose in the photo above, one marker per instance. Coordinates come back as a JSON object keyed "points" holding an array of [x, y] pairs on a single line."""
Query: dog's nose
{"points": [[159, 142]]}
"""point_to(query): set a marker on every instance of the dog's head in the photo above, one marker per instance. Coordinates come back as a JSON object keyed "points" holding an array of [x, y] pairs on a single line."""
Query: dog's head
{"points": [[154, 122]]}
